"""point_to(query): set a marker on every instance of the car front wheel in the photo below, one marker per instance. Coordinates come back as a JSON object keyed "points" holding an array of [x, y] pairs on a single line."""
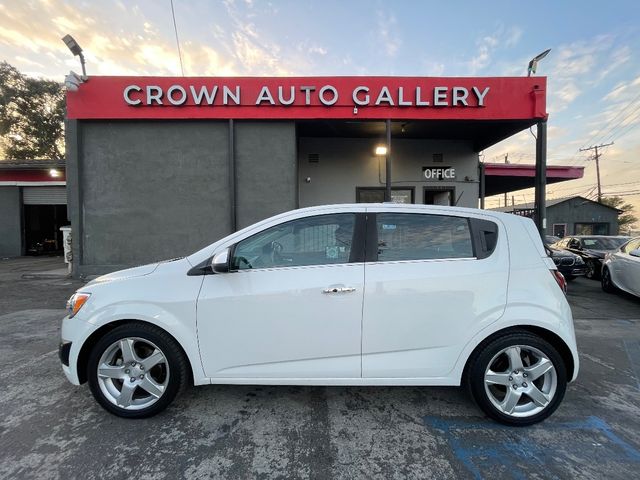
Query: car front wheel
{"points": [[518, 379], [607, 284], [592, 269], [136, 370]]}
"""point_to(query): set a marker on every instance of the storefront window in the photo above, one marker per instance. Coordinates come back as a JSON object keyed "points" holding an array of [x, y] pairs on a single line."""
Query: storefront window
{"points": [[376, 195], [592, 229]]}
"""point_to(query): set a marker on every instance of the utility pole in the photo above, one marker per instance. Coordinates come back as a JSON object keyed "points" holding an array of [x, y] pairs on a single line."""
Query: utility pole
{"points": [[506, 160], [597, 157]]}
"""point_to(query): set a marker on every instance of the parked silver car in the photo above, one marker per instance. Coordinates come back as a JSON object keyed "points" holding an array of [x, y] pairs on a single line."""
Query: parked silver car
{"points": [[621, 269]]}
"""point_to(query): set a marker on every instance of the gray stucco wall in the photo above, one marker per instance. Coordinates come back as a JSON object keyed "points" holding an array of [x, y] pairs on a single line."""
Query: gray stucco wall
{"points": [[347, 163], [142, 191], [151, 191], [579, 210], [10, 222], [265, 170]]}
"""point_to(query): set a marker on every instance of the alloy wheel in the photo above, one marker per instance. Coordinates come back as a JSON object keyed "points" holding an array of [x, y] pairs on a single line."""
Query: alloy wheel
{"points": [[133, 373], [520, 381]]}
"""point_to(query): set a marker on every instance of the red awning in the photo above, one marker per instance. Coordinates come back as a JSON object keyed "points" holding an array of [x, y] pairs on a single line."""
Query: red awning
{"points": [[509, 177]]}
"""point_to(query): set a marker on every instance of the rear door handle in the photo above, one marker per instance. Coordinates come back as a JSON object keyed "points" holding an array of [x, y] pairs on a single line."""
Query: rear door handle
{"points": [[338, 289]]}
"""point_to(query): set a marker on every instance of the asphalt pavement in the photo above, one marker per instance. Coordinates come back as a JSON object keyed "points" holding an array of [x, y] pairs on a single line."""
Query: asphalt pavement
{"points": [[51, 429]]}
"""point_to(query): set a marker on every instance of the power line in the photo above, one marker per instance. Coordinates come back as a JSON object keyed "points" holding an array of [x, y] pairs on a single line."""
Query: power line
{"points": [[625, 130], [620, 124], [175, 29], [610, 122]]}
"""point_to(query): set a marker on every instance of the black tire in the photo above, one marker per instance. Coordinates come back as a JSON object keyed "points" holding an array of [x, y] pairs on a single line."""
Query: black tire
{"points": [[479, 362], [176, 365], [592, 269], [606, 282]]}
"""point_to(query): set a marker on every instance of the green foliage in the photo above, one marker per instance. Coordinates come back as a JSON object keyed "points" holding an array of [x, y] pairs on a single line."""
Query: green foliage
{"points": [[627, 218], [32, 114]]}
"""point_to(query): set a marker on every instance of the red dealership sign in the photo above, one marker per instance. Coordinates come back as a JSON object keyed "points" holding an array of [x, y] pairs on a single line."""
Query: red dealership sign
{"points": [[357, 98]]}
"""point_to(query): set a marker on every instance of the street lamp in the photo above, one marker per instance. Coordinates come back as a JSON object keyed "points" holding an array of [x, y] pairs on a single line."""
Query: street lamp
{"points": [[75, 48], [533, 64]]}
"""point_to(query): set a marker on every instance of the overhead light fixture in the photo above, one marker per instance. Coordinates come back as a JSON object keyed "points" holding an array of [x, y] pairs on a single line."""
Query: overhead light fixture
{"points": [[381, 150], [75, 48], [533, 64], [54, 173]]}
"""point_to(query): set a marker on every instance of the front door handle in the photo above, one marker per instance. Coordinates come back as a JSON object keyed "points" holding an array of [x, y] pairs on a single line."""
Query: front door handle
{"points": [[337, 289]]}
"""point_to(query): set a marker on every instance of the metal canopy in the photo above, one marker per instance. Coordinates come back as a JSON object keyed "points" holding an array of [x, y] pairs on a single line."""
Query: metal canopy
{"points": [[481, 133]]}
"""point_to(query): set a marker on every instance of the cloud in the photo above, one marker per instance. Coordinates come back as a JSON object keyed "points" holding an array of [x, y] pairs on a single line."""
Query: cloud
{"points": [[137, 45], [388, 34], [487, 45]]}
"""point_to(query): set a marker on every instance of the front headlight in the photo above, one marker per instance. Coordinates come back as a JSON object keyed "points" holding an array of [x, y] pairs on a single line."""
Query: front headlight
{"points": [[75, 303], [579, 261]]}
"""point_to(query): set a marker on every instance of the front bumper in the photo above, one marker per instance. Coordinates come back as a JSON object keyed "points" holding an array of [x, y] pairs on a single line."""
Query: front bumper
{"points": [[73, 334]]}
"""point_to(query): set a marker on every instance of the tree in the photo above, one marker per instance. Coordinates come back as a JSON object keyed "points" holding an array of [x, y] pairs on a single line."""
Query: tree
{"points": [[32, 114], [627, 218]]}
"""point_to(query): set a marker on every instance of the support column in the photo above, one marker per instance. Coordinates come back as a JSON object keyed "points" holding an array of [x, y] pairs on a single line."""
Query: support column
{"points": [[541, 178], [232, 178], [387, 192], [481, 173]]}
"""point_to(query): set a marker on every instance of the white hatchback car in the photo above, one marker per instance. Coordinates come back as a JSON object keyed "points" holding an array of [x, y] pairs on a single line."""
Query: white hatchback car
{"points": [[364, 294]]}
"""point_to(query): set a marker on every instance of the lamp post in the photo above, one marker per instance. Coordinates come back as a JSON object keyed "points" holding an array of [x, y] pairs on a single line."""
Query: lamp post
{"points": [[533, 64], [75, 48], [541, 159]]}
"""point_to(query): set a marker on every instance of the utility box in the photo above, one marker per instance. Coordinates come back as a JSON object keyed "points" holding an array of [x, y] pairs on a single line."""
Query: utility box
{"points": [[66, 242]]}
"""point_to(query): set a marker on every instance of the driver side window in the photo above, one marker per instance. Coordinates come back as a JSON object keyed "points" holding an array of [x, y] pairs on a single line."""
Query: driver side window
{"points": [[318, 240]]}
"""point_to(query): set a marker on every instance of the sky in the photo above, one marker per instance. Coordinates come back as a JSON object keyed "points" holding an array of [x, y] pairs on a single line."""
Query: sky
{"points": [[593, 69]]}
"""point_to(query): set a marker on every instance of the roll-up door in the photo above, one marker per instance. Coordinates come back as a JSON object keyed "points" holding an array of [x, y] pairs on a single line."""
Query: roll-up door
{"points": [[44, 195]]}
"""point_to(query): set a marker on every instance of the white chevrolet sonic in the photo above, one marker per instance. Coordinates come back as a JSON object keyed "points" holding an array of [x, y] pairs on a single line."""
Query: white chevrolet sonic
{"points": [[365, 294]]}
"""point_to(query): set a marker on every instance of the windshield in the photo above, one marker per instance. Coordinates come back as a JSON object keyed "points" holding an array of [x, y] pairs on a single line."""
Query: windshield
{"points": [[603, 243]]}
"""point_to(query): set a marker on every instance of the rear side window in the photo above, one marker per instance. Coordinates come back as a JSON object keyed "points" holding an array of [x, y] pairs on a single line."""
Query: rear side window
{"points": [[413, 236], [485, 235]]}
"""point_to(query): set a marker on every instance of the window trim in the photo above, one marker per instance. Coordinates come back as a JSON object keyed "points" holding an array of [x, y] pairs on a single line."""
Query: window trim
{"points": [[356, 255]]}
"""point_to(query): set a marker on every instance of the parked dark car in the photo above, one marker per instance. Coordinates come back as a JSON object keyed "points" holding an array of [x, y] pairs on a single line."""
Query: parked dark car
{"points": [[569, 264], [592, 249]]}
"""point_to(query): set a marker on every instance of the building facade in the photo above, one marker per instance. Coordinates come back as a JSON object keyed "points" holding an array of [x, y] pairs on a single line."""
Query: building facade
{"points": [[574, 216], [160, 167]]}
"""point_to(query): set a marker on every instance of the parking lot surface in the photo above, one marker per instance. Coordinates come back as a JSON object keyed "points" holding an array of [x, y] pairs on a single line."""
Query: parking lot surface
{"points": [[51, 429]]}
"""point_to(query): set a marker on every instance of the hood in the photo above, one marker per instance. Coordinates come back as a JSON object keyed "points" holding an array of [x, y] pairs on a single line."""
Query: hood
{"points": [[596, 253], [560, 253], [128, 273]]}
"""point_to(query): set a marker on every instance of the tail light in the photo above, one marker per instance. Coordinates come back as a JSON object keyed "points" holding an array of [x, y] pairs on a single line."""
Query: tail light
{"points": [[562, 283]]}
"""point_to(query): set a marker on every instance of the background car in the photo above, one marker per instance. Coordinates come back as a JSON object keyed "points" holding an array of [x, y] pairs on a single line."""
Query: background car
{"points": [[621, 269], [451, 296], [550, 239], [592, 249], [569, 264]]}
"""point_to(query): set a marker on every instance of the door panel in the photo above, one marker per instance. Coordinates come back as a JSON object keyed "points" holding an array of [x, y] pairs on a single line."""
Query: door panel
{"points": [[292, 305], [278, 323], [419, 314]]}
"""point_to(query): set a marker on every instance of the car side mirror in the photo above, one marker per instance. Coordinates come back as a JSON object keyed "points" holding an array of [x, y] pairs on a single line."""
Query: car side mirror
{"points": [[635, 253], [220, 261]]}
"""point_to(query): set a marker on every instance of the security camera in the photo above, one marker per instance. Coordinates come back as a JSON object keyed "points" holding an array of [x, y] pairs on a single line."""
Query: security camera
{"points": [[72, 81]]}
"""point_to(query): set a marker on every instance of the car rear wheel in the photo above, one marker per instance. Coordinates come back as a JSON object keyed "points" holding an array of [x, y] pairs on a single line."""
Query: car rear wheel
{"points": [[136, 370], [606, 282], [518, 379]]}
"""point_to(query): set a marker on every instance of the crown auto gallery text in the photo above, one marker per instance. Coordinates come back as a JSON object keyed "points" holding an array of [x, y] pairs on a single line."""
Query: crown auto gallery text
{"points": [[327, 95]]}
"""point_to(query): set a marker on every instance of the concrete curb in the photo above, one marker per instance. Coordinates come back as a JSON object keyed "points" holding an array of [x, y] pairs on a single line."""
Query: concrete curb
{"points": [[45, 275]]}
